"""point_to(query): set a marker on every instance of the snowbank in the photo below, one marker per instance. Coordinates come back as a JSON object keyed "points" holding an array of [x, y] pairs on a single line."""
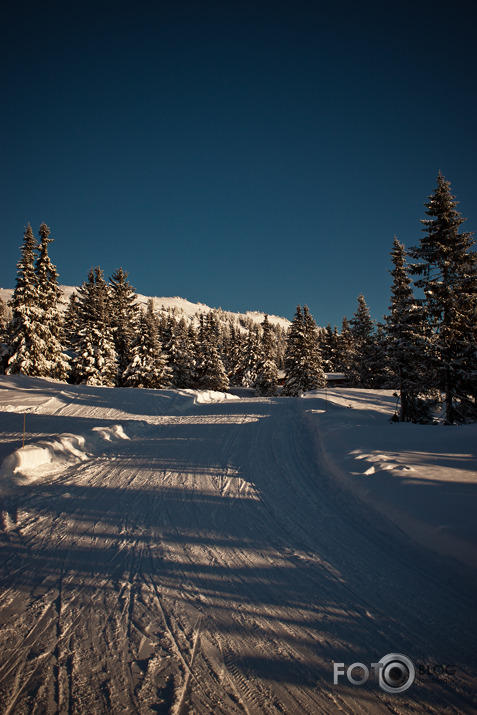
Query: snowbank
{"points": [[423, 478], [22, 466]]}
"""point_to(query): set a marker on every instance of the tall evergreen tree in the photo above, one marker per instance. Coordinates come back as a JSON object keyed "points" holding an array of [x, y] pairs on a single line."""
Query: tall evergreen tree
{"points": [[447, 271], [303, 366], [5, 318], [27, 348], [49, 298], [71, 322], [148, 367], [362, 329], [96, 361], [345, 349], [250, 358], [266, 383], [409, 345], [210, 371], [181, 354], [124, 317]]}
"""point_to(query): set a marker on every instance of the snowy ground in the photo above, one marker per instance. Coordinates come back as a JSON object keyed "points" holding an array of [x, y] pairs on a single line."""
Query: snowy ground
{"points": [[180, 552]]}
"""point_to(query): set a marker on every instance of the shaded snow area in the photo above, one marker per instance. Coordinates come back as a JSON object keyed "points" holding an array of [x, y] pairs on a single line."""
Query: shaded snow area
{"points": [[183, 552]]}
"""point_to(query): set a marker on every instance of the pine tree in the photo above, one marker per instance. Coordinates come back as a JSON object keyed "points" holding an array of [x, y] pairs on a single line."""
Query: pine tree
{"points": [[49, 298], [96, 361], [328, 346], [409, 345], [210, 371], [313, 375], [234, 355], [213, 375], [5, 318], [124, 316], [249, 359], [71, 322], [27, 349], [362, 329], [447, 270], [266, 383], [303, 366], [148, 367], [345, 349], [181, 355]]}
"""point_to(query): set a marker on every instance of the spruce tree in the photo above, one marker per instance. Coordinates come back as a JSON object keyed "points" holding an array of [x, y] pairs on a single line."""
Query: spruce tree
{"points": [[96, 361], [181, 354], [250, 358], [362, 329], [124, 316], [27, 348], [210, 371], [447, 270], [303, 366], [313, 375], [5, 318], [266, 383], [49, 298], [409, 345], [345, 349], [328, 345], [71, 322], [148, 367]]}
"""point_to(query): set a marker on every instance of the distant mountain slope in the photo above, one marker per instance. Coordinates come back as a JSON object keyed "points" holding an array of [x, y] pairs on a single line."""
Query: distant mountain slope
{"points": [[180, 306]]}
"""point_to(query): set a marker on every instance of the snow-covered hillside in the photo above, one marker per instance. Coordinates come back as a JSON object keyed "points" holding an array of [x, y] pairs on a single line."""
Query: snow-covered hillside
{"points": [[180, 306], [176, 551]]}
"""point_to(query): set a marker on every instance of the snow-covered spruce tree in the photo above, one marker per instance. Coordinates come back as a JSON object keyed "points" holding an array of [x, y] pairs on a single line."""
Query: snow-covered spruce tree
{"points": [[124, 317], [378, 360], [49, 298], [181, 353], [27, 348], [210, 371], [409, 345], [447, 270], [303, 366], [344, 348], [71, 322], [250, 358], [148, 367], [234, 354], [329, 340], [96, 361], [5, 318], [359, 371], [266, 383]]}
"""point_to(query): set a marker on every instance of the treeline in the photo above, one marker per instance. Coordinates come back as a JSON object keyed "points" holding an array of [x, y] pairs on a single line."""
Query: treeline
{"points": [[425, 348]]}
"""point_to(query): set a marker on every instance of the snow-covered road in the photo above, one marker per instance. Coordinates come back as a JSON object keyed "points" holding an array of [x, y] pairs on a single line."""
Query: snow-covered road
{"points": [[201, 560]]}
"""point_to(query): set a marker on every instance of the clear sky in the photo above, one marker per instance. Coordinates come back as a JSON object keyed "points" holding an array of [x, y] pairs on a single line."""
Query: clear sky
{"points": [[248, 155]]}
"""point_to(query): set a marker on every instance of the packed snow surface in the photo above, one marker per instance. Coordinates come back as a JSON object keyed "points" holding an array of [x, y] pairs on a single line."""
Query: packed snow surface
{"points": [[179, 551]]}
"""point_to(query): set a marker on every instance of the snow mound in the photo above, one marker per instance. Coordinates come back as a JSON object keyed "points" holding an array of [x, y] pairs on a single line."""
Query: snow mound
{"points": [[181, 400], [208, 396], [22, 466]]}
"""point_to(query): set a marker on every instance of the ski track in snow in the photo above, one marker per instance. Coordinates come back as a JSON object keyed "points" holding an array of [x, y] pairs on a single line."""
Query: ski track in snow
{"points": [[208, 565]]}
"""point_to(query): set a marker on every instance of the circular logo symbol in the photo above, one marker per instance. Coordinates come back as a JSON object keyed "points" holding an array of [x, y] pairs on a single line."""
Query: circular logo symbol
{"points": [[397, 673]]}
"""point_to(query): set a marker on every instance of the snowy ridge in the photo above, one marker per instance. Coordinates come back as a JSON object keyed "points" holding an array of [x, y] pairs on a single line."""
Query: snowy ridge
{"points": [[181, 306]]}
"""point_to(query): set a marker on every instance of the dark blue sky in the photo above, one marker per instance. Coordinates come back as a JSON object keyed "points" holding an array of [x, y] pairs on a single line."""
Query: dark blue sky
{"points": [[249, 155]]}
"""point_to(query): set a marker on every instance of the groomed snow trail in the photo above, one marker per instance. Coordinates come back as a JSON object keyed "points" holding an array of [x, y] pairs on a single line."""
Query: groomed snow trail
{"points": [[207, 564]]}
